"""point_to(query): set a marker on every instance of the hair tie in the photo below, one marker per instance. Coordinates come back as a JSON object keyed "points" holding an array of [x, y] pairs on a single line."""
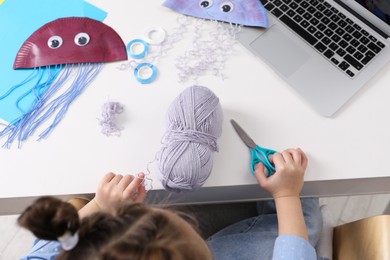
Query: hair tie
{"points": [[68, 241]]}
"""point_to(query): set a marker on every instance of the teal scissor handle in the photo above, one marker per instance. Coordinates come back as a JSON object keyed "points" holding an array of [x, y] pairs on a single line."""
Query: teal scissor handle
{"points": [[261, 154]]}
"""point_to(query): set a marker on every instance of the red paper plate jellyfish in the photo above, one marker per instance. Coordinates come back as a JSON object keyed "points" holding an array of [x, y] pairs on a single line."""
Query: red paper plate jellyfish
{"points": [[72, 47]]}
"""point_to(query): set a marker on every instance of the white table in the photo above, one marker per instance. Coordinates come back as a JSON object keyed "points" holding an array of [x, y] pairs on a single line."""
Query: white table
{"points": [[348, 154]]}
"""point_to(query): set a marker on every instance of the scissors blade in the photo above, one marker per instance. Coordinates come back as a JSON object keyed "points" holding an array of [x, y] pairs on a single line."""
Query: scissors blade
{"points": [[244, 136]]}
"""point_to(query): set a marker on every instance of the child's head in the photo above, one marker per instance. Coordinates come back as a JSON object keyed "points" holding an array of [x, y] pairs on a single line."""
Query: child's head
{"points": [[134, 231]]}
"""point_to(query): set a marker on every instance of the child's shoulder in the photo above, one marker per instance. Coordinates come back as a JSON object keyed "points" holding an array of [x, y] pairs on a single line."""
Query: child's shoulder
{"points": [[43, 249]]}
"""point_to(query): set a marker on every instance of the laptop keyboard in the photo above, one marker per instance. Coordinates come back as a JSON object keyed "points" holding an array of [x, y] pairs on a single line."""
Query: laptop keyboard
{"points": [[343, 42]]}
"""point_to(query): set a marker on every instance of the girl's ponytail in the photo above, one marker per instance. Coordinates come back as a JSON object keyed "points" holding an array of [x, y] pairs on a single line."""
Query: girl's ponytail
{"points": [[50, 219]]}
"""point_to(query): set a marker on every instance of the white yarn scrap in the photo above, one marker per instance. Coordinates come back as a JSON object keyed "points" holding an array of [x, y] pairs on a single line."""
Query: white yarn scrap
{"points": [[108, 122], [212, 44]]}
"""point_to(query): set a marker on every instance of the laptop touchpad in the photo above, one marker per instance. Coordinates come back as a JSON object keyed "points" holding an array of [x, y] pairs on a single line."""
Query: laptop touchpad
{"points": [[280, 51]]}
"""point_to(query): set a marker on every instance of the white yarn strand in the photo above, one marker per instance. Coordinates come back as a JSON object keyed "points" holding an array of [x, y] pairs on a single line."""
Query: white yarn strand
{"points": [[212, 43], [108, 120]]}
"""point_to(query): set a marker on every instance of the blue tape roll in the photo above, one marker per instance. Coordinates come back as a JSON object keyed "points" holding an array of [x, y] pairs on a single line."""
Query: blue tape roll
{"points": [[141, 55], [145, 66]]}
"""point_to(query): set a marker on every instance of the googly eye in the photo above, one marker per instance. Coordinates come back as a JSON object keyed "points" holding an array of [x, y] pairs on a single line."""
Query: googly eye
{"points": [[81, 39], [227, 7], [54, 42], [206, 3]]}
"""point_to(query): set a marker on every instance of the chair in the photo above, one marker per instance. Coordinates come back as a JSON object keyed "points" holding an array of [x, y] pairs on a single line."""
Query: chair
{"points": [[365, 239]]}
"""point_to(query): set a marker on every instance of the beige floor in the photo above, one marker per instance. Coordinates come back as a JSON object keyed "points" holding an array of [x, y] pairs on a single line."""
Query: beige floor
{"points": [[15, 241]]}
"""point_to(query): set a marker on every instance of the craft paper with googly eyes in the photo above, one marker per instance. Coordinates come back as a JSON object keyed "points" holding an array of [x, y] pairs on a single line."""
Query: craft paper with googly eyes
{"points": [[71, 40], [242, 12], [63, 49]]}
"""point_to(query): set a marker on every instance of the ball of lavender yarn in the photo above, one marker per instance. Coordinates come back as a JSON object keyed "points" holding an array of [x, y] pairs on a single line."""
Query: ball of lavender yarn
{"points": [[194, 125]]}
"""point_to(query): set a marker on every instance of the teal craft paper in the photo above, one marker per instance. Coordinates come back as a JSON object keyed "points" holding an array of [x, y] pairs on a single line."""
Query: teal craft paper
{"points": [[18, 20]]}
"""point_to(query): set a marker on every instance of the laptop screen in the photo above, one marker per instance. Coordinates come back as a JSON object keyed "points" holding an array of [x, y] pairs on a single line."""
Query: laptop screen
{"points": [[380, 8]]}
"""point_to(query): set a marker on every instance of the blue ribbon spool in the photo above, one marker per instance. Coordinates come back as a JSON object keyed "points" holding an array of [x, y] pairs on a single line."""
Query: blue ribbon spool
{"points": [[133, 44], [140, 72]]}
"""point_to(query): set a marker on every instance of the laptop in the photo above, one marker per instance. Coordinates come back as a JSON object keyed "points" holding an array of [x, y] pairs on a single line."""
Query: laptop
{"points": [[326, 50]]}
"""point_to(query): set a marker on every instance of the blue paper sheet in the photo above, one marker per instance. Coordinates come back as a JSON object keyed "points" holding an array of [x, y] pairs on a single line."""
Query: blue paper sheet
{"points": [[18, 20]]}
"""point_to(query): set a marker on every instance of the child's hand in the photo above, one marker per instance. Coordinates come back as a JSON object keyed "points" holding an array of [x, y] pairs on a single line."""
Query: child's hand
{"points": [[287, 181], [114, 188]]}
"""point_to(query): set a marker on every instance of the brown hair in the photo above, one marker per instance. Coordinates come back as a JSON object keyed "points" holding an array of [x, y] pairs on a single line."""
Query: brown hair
{"points": [[134, 231]]}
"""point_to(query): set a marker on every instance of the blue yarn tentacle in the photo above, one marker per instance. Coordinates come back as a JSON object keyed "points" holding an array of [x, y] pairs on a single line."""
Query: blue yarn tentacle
{"points": [[27, 124], [86, 73], [38, 75], [46, 105], [33, 75], [39, 86]]}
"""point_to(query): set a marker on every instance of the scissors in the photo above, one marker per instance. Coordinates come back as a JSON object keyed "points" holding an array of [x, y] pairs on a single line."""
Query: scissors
{"points": [[258, 154]]}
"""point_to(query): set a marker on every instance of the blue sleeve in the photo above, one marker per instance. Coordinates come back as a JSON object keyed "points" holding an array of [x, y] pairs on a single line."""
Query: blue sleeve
{"points": [[43, 250], [293, 247]]}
